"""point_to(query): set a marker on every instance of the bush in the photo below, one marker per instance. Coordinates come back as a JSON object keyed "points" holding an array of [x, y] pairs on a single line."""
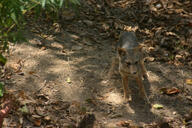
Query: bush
{"points": [[12, 16]]}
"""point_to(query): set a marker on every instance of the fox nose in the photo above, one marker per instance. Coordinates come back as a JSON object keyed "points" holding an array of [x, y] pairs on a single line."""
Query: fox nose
{"points": [[134, 72]]}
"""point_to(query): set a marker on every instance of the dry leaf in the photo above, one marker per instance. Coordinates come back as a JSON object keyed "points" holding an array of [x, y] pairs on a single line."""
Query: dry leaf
{"points": [[158, 106], [22, 94], [15, 66], [123, 124], [47, 118], [170, 91], [31, 72], [68, 80], [37, 122], [43, 48], [188, 81]]}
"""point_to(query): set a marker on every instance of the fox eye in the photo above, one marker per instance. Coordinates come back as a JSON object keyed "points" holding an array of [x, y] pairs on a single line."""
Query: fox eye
{"points": [[136, 62]]}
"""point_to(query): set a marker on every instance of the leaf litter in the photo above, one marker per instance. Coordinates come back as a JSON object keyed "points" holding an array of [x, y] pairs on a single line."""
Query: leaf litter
{"points": [[164, 25]]}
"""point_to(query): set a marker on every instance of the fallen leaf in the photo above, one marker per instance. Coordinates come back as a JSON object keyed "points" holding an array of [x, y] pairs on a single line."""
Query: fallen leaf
{"points": [[36, 116], [158, 106], [104, 81], [20, 73], [40, 111], [57, 45], [68, 80], [5, 108], [47, 118], [15, 67], [174, 113], [75, 37], [123, 124], [188, 81], [21, 120], [43, 48], [170, 91], [31, 72], [22, 94], [37, 122], [189, 98]]}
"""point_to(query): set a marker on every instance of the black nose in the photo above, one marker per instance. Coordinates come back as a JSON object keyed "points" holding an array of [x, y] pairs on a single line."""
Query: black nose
{"points": [[134, 72]]}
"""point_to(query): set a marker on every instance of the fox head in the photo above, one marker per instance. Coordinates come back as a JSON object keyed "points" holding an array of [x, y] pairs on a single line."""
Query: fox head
{"points": [[129, 60]]}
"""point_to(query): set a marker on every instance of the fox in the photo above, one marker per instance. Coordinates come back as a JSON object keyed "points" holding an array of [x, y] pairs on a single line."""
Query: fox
{"points": [[130, 59]]}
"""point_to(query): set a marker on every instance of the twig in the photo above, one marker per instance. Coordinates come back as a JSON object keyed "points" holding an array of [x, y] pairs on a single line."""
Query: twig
{"points": [[183, 81]]}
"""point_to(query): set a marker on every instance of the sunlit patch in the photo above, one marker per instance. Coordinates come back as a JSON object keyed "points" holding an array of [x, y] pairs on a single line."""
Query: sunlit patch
{"points": [[153, 77], [116, 99], [113, 98]]}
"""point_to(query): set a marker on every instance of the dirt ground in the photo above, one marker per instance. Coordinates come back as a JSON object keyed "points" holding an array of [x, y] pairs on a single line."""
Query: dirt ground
{"points": [[62, 76], [75, 73]]}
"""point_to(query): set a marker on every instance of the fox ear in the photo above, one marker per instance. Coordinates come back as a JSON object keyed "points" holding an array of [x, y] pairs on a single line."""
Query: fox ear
{"points": [[121, 51]]}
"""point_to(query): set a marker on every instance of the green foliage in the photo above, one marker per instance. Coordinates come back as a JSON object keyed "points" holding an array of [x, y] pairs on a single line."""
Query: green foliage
{"points": [[12, 16], [3, 60], [52, 8], [1, 89]]}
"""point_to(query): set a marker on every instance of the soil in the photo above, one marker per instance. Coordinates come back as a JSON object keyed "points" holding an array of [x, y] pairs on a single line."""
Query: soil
{"points": [[60, 76]]}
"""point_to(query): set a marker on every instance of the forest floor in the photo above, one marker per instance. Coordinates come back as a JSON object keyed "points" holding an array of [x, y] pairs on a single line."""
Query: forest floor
{"points": [[58, 78]]}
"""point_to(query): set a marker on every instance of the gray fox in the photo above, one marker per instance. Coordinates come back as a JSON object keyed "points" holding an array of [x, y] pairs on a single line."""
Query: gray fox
{"points": [[131, 63]]}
